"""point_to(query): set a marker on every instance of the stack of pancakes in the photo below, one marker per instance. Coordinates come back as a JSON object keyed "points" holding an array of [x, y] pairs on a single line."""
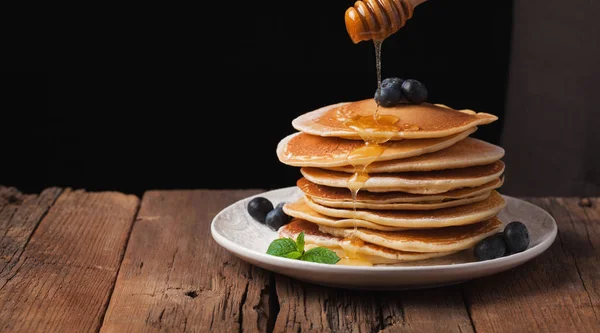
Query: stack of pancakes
{"points": [[430, 192]]}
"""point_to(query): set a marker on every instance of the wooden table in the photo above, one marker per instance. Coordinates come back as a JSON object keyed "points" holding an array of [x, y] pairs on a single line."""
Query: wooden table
{"points": [[75, 261]]}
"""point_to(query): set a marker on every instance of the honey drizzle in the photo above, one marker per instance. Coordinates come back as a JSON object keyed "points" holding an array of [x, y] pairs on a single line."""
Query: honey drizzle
{"points": [[377, 43], [351, 255], [374, 129]]}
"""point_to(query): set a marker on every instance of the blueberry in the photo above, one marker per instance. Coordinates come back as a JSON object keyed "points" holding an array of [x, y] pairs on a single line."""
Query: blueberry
{"points": [[259, 207], [516, 237], [414, 91], [277, 218], [491, 247], [389, 92]]}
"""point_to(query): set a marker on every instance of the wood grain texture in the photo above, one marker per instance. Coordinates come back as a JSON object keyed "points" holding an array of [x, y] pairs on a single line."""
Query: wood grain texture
{"points": [[310, 308], [306, 307], [20, 214], [63, 279], [175, 278], [428, 310], [587, 254], [555, 291]]}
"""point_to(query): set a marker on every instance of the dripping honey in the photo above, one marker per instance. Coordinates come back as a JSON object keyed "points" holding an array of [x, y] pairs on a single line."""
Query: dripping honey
{"points": [[351, 255], [374, 129], [371, 20]]}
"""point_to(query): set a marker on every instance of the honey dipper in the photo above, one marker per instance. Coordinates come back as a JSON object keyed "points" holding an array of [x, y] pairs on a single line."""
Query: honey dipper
{"points": [[377, 19]]}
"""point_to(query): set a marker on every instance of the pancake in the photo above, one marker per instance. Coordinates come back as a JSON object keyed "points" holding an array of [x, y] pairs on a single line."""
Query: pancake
{"points": [[465, 153], [369, 252], [402, 206], [299, 209], [431, 121], [342, 195], [444, 217], [420, 182], [301, 149], [432, 240]]}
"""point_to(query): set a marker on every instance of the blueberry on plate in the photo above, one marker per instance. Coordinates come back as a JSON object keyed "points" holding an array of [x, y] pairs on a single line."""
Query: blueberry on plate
{"points": [[259, 207], [414, 91], [516, 237], [491, 247], [389, 92], [277, 218]]}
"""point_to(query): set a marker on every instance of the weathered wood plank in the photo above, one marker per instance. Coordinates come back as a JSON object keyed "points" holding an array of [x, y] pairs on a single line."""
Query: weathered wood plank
{"points": [[175, 278], [306, 307], [580, 235], [64, 277], [588, 256], [552, 293], [428, 310], [20, 214], [310, 308]]}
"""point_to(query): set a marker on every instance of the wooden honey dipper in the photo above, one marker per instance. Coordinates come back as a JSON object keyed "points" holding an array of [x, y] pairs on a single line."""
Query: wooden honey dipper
{"points": [[377, 19]]}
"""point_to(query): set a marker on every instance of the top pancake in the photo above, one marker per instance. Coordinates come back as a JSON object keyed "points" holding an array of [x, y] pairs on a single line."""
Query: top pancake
{"points": [[433, 121], [305, 150]]}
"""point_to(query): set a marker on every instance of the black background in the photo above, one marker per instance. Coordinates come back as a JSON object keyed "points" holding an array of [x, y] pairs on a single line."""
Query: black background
{"points": [[174, 105]]}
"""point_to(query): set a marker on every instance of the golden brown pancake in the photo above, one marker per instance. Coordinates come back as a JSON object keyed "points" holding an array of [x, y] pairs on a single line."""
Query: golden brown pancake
{"points": [[301, 149], [417, 219], [430, 240], [432, 121], [401, 206], [299, 209], [465, 153], [421, 182], [370, 252], [339, 194]]}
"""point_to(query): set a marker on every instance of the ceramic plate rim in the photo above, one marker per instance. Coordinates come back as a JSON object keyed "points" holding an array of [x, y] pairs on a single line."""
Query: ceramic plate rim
{"points": [[235, 248]]}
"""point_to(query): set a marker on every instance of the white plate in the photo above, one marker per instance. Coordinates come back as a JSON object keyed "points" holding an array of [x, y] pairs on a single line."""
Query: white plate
{"points": [[235, 230]]}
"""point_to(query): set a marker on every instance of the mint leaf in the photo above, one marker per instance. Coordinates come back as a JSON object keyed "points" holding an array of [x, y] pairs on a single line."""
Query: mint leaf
{"points": [[281, 247], [321, 255], [300, 242], [288, 248], [293, 255]]}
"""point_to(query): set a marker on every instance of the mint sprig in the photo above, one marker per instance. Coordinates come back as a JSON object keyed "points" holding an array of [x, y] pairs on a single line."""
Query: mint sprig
{"points": [[321, 254], [288, 248], [282, 246]]}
